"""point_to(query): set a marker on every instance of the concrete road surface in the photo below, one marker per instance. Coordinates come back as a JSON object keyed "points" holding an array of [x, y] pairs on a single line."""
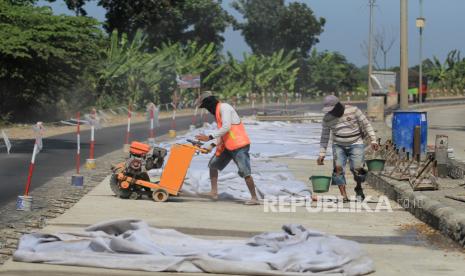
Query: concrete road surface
{"points": [[58, 154], [394, 240]]}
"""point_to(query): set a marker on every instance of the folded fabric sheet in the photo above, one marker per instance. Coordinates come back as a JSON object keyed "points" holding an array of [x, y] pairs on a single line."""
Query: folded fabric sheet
{"points": [[133, 245]]}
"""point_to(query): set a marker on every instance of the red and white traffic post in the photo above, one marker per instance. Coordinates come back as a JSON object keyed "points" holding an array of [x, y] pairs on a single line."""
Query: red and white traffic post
{"points": [[196, 110], [172, 131], [78, 143], [24, 202], [286, 101], [128, 132], [7, 141], [151, 110], [203, 114], [77, 180], [90, 162], [92, 134], [194, 118], [31, 170]]}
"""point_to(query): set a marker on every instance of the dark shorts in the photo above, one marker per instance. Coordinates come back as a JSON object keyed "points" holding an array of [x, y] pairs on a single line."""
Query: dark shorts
{"points": [[240, 156]]}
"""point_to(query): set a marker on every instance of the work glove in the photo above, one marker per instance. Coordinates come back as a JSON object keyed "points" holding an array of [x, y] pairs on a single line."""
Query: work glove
{"points": [[320, 161]]}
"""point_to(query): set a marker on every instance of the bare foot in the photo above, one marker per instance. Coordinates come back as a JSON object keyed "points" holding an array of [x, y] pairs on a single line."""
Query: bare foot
{"points": [[211, 195], [252, 202]]}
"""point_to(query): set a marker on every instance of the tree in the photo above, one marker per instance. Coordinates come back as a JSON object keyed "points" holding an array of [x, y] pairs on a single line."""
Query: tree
{"points": [[21, 2], [257, 74], [43, 57], [75, 5], [364, 48], [384, 42], [122, 69], [331, 72], [173, 21], [132, 73], [449, 74], [270, 25], [192, 58]]}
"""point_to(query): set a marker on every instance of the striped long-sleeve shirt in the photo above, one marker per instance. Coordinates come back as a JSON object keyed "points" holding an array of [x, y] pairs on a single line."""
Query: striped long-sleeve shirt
{"points": [[346, 130]]}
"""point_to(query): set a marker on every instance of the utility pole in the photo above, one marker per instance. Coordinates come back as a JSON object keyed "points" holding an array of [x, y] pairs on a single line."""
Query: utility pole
{"points": [[370, 48], [420, 25], [403, 54]]}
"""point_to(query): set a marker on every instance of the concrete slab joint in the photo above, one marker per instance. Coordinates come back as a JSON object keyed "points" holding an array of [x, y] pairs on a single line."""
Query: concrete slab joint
{"points": [[447, 220]]}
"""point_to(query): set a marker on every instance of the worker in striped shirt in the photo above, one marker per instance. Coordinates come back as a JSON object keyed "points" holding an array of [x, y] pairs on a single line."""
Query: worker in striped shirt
{"points": [[348, 126]]}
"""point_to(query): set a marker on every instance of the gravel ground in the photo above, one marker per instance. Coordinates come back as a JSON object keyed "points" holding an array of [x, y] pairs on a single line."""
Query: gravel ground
{"points": [[49, 201]]}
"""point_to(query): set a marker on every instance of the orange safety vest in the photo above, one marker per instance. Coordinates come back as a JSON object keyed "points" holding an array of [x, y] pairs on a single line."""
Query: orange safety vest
{"points": [[235, 138]]}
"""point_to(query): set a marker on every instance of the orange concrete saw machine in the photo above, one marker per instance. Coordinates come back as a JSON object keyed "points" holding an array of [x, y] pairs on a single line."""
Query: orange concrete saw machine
{"points": [[131, 180]]}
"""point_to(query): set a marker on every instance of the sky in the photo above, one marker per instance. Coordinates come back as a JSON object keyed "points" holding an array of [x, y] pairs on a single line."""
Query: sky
{"points": [[347, 23]]}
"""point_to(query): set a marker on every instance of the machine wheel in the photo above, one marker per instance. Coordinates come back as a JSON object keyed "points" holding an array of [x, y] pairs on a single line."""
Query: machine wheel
{"points": [[114, 185], [160, 195], [134, 196]]}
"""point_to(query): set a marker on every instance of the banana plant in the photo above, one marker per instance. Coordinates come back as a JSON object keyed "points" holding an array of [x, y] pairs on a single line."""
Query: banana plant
{"points": [[130, 69], [448, 74], [192, 58], [283, 73], [124, 64], [156, 70], [258, 74]]}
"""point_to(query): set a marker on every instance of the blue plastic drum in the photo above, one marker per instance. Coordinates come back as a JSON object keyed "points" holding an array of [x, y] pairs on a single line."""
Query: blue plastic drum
{"points": [[403, 129]]}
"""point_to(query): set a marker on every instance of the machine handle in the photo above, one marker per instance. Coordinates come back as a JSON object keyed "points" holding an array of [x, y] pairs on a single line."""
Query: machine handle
{"points": [[195, 143]]}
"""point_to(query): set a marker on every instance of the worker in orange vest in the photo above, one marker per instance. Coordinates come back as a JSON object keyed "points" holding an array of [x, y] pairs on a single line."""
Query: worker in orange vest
{"points": [[232, 143]]}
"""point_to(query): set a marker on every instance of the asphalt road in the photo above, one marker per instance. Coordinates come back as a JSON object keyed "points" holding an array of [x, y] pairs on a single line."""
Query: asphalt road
{"points": [[58, 154]]}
